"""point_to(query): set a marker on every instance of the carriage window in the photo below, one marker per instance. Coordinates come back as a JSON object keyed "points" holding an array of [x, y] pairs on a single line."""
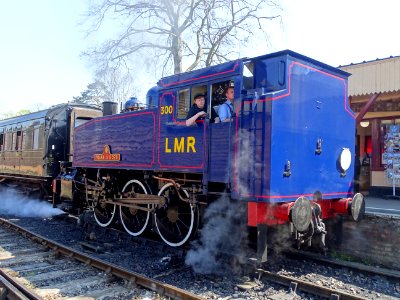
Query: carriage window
{"points": [[27, 138], [18, 142], [182, 106], [13, 140], [2, 142], [35, 138], [8, 141]]}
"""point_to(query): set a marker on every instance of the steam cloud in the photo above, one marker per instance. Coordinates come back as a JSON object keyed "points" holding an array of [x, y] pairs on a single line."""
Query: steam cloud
{"points": [[13, 203], [224, 234]]}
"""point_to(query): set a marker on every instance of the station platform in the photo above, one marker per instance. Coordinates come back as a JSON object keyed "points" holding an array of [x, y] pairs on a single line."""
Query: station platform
{"points": [[382, 205]]}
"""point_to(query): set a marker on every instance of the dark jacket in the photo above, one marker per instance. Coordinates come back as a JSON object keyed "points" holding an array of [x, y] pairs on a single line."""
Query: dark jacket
{"points": [[194, 110]]}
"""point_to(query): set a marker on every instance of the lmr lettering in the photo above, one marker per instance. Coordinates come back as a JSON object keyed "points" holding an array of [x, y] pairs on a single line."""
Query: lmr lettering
{"points": [[179, 145]]}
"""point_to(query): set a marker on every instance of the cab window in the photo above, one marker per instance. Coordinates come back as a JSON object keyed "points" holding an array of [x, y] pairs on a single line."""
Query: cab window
{"points": [[185, 99], [218, 97], [248, 76], [270, 75], [182, 105], [199, 89]]}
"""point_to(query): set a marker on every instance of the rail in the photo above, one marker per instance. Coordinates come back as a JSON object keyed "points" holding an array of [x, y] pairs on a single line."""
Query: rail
{"points": [[394, 274], [161, 288], [308, 287], [11, 289]]}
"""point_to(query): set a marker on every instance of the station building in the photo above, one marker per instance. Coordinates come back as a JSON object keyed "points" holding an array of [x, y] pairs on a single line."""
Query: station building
{"points": [[374, 94]]}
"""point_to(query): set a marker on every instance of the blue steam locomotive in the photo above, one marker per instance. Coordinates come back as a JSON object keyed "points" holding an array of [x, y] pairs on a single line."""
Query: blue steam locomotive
{"points": [[287, 152]]}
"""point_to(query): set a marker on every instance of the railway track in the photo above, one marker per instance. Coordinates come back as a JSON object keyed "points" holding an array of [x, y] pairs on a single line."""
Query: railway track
{"points": [[50, 270], [391, 274], [283, 284], [294, 284], [319, 288]]}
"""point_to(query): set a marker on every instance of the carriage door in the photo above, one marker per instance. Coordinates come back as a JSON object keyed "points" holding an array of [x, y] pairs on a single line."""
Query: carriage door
{"points": [[180, 147], [18, 148]]}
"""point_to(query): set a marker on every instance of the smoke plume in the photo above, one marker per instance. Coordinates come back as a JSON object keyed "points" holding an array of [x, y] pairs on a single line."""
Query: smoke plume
{"points": [[223, 235], [13, 203]]}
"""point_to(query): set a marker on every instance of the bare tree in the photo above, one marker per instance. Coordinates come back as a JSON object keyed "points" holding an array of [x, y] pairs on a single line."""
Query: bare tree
{"points": [[181, 32], [118, 83]]}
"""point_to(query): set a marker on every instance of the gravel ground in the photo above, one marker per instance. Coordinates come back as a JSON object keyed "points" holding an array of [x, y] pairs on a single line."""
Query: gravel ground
{"points": [[166, 264], [351, 281]]}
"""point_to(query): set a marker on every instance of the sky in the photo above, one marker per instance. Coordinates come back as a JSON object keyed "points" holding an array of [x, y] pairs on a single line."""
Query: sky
{"points": [[40, 62], [42, 42]]}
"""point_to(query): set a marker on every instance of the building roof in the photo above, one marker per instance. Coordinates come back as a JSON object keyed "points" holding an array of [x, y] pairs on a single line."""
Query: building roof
{"points": [[381, 75]]}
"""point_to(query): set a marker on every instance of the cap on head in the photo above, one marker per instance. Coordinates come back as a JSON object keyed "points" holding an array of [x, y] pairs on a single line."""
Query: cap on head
{"points": [[199, 95], [230, 85]]}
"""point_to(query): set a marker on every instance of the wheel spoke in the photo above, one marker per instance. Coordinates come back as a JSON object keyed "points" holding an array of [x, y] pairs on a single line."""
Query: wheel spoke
{"points": [[183, 223], [177, 227]]}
